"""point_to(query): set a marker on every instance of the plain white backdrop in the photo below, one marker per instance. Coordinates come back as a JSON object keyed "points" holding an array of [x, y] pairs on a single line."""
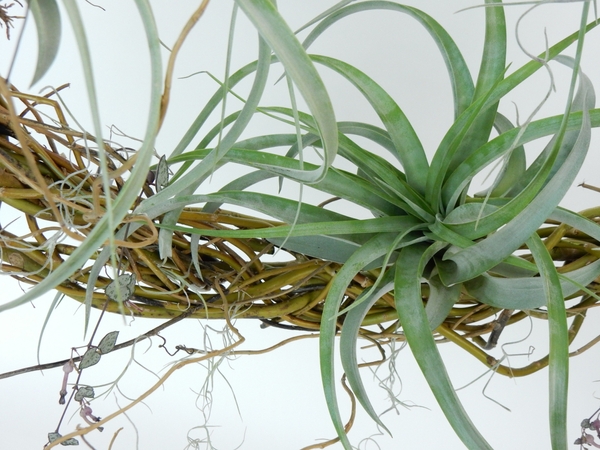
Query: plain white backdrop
{"points": [[275, 400]]}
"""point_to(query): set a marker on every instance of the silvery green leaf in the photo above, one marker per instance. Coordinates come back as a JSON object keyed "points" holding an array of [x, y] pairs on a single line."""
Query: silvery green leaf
{"points": [[273, 29], [47, 22], [122, 288], [53, 436], [90, 357], [84, 392], [108, 342]]}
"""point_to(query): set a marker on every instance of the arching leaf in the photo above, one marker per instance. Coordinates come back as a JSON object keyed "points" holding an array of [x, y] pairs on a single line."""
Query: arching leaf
{"points": [[407, 295], [48, 25]]}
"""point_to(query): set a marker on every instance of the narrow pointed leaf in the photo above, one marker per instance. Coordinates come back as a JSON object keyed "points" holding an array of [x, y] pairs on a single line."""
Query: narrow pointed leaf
{"points": [[407, 294], [577, 221], [48, 25], [526, 292], [339, 227], [518, 76], [409, 149], [491, 70], [349, 340], [188, 183], [458, 71], [515, 166], [373, 249], [440, 301], [585, 99], [559, 343], [442, 161], [336, 182], [273, 29]]}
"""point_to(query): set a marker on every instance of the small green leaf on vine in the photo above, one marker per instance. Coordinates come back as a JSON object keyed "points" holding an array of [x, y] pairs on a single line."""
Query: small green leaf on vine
{"points": [[53, 436], [84, 392], [108, 342], [90, 357], [162, 174], [122, 288]]}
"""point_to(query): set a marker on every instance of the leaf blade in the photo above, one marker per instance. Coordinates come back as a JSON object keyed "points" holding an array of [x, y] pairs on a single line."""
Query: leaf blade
{"points": [[407, 295], [349, 339], [373, 249], [48, 24], [558, 375], [273, 29]]}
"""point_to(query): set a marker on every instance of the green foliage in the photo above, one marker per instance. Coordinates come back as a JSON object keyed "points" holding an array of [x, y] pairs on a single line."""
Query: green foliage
{"points": [[457, 243], [47, 21], [427, 230]]}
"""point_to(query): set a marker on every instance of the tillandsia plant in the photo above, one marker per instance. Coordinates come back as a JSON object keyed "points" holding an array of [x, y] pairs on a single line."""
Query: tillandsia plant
{"points": [[434, 262]]}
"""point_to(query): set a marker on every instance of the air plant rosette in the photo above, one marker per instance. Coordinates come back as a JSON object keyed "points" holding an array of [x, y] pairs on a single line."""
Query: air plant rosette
{"points": [[433, 263]]}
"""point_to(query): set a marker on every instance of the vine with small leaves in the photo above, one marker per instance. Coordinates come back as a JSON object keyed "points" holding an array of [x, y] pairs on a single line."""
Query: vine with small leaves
{"points": [[588, 425]]}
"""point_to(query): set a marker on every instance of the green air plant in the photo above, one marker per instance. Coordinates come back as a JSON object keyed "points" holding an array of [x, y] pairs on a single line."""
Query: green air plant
{"points": [[432, 262]]}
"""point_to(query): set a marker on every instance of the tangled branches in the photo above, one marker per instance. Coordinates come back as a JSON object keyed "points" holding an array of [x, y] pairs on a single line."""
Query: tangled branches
{"points": [[62, 197]]}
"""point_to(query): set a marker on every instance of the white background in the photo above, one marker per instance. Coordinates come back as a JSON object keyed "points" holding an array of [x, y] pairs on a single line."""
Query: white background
{"points": [[275, 401]]}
